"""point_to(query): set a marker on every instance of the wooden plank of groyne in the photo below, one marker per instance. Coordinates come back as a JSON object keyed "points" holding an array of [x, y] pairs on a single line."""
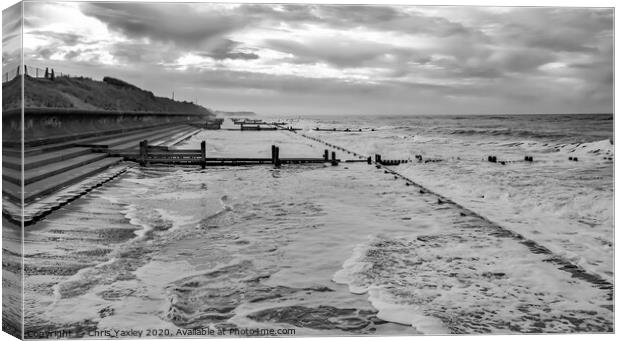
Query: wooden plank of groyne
{"points": [[302, 160], [240, 159]]}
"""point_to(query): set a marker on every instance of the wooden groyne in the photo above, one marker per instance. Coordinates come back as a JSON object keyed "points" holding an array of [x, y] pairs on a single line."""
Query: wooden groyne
{"points": [[493, 159], [346, 130], [247, 121], [561, 262], [147, 154], [257, 127]]}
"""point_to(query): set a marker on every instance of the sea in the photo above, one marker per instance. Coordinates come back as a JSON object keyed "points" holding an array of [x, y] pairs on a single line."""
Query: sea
{"points": [[445, 242]]}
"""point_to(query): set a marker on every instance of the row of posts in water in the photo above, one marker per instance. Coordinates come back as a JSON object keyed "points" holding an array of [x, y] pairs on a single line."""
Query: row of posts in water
{"points": [[493, 159], [526, 159]]}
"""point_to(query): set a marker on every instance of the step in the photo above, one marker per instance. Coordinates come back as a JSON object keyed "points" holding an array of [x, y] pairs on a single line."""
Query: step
{"points": [[62, 180], [34, 161], [68, 144], [9, 151], [157, 138], [134, 138], [102, 140], [29, 152], [181, 131], [151, 137], [45, 171], [183, 137], [68, 137], [11, 191]]}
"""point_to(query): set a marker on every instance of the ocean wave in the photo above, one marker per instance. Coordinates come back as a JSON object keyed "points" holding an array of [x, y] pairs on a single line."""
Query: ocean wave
{"points": [[601, 147], [511, 133], [469, 284]]}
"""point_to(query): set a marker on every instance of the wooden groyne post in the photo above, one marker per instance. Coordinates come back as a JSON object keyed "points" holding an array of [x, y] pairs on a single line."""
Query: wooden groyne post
{"points": [[144, 152], [326, 155], [275, 155], [203, 154], [334, 161]]}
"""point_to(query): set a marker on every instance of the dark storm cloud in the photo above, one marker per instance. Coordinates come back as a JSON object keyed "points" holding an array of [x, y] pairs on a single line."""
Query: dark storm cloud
{"points": [[44, 53], [72, 54], [392, 19], [180, 24], [354, 16], [190, 26], [226, 49]]}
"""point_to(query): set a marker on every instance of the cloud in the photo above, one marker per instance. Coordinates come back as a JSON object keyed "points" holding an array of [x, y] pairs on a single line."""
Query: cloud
{"points": [[11, 22], [401, 58], [338, 51], [176, 23], [11, 37], [392, 19], [386, 18], [137, 52], [227, 49], [64, 38]]}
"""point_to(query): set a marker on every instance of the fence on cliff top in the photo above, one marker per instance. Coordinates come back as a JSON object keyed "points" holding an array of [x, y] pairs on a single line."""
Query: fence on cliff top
{"points": [[32, 71]]}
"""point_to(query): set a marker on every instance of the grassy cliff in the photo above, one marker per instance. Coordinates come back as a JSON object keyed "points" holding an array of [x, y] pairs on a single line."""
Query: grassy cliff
{"points": [[84, 93]]}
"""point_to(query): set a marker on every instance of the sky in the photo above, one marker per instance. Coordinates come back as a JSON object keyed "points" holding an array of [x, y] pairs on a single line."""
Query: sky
{"points": [[335, 59]]}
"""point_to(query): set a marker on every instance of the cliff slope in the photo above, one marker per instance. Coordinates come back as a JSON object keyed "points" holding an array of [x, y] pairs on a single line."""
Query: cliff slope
{"points": [[85, 93]]}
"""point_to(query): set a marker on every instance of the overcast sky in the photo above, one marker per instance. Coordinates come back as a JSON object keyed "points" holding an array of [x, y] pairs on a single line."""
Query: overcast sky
{"points": [[320, 59]]}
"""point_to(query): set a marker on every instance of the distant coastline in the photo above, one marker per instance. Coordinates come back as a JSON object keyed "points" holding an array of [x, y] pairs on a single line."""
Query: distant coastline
{"points": [[234, 113]]}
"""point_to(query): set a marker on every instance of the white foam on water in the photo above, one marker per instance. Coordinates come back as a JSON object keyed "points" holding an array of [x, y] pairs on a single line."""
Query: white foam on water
{"points": [[388, 309], [564, 205], [135, 216], [351, 267], [463, 282], [403, 314]]}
